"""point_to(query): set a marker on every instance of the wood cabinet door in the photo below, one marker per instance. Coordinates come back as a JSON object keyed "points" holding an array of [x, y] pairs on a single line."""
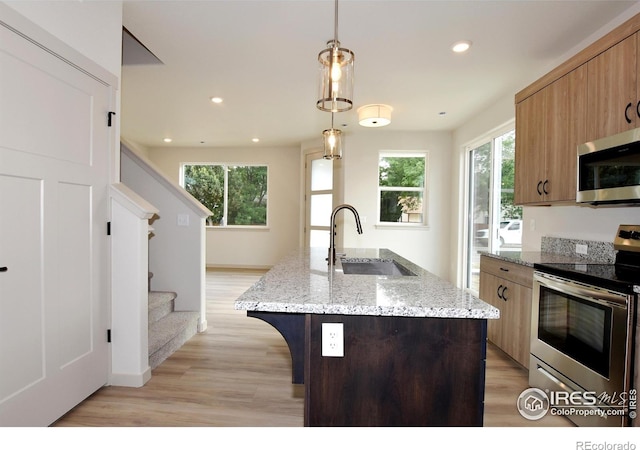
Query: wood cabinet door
{"points": [[565, 127], [516, 321], [612, 90], [512, 331], [489, 287], [530, 149]]}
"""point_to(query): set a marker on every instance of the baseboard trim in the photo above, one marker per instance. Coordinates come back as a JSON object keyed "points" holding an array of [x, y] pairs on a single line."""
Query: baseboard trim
{"points": [[130, 379]]}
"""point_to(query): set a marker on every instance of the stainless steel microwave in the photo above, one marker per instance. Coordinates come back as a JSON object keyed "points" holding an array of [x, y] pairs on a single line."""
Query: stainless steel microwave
{"points": [[609, 170]]}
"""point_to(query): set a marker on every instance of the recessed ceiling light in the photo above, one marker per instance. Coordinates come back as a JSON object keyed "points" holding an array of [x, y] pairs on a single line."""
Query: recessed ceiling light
{"points": [[167, 140], [216, 99], [255, 140], [461, 46]]}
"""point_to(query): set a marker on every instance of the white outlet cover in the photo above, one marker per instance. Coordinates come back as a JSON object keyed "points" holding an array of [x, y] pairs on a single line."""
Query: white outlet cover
{"points": [[582, 249], [333, 339]]}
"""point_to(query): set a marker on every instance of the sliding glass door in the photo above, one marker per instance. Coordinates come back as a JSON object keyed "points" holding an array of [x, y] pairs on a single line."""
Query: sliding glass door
{"points": [[493, 221]]}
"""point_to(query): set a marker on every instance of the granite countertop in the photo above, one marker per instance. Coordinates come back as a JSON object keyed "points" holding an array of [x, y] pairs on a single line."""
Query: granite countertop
{"points": [[303, 283]]}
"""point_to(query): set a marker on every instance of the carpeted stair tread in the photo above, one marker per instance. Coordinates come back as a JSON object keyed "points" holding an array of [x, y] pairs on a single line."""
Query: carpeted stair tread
{"points": [[160, 304], [169, 333]]}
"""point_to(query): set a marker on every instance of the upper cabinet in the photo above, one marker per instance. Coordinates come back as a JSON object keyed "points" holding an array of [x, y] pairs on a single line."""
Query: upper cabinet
{"points": [[592, 95], [613, 101], [550, 124]]}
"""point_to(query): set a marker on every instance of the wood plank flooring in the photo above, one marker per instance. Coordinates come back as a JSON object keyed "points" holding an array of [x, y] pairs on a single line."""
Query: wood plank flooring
{"points": [[238, 373]]}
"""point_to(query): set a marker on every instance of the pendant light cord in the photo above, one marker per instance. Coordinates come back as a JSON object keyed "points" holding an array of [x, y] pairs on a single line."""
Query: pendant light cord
{"points": [[335, 25]]}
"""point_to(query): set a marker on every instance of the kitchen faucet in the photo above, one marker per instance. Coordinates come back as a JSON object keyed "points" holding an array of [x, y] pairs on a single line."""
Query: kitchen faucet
{"points": [[331, 258]]}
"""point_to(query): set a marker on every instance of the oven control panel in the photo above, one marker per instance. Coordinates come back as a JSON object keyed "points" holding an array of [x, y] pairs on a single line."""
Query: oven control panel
{"points": [[627, 238]]}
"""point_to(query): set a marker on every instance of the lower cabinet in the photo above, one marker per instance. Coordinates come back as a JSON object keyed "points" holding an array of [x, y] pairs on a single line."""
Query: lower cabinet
{"points": [[508, 287]]}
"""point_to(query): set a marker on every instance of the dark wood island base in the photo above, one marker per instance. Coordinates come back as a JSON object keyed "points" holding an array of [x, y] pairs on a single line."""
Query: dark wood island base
{"points": [[396, 371]]}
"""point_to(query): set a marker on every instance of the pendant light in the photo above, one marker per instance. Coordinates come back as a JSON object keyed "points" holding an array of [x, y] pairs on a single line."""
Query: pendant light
{"points": [[332, 142], [336, 75]]}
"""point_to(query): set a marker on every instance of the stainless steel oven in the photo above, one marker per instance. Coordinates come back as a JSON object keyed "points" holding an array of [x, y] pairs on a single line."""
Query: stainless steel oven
{"points": [[582, 334]]}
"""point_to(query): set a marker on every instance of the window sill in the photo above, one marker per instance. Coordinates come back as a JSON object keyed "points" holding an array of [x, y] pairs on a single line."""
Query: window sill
{"points": [[402, 226], [239, 227]]}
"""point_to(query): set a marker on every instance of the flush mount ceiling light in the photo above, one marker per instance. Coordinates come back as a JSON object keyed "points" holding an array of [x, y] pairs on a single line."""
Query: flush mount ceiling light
{"points": [[332, 142], [217, 100], [336, 75], [374, 115], [461, 46]]}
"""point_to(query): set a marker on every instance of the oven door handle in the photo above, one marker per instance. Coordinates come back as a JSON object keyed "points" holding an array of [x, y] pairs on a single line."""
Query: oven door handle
{"points": [[590, 293]]}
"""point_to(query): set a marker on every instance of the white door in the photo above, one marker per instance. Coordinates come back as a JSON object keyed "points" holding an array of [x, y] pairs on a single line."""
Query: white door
{"points": [[319, 199], [54, 163]]}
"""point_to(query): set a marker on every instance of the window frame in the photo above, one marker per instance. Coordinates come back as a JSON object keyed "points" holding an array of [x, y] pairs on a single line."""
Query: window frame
{"points": [[226, 190], [424, 189]]}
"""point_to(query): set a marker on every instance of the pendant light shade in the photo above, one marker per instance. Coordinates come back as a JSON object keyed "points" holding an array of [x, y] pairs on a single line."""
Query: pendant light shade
{"points": [[374, 115], [333, 141], [336, 75], [336, 78]]}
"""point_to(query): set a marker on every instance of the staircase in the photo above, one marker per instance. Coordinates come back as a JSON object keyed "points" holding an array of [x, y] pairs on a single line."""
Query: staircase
{"points": [[168, 329]]}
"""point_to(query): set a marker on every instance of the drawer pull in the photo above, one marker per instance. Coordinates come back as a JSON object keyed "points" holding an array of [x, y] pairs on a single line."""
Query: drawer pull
{"points": [[3, 269], [503, 269]]}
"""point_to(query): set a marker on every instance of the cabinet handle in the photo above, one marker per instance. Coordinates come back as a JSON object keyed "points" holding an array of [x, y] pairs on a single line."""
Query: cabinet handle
{"points": [[638, 109], [538, 187], [544, 187], [503, 269], [626, 111], [3, 269], [498, 291], [503, 296]]}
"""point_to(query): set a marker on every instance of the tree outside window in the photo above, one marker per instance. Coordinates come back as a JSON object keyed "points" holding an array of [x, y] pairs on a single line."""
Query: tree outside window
{"points": [[402, 187], [236, 195]]}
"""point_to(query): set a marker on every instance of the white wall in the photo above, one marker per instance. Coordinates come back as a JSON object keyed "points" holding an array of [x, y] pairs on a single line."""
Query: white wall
{"points": [[233, 247], [93, 28], [426, 246]]}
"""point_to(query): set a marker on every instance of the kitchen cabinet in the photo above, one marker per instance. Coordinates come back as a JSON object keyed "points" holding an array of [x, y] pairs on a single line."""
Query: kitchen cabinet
{"points": [[508, 287], [613, 92], [550, 124]]}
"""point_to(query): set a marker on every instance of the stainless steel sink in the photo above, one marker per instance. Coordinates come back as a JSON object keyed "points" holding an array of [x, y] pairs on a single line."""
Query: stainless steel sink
{"points": [[374, 266]]}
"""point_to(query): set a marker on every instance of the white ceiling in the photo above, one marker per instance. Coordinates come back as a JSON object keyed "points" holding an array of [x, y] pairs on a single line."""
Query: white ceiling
{"points": [[261, 57]]}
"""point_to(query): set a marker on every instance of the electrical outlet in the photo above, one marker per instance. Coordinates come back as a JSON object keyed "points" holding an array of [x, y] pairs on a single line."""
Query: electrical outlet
{"points": [[582, 249], [333, 339], [183, 220]]}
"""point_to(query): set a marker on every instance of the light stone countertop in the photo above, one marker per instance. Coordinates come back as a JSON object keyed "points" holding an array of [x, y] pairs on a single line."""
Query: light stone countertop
{"points": [[303, 283]]}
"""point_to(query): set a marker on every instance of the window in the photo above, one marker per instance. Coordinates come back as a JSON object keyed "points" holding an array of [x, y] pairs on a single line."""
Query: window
{"points": [[236, 195], [494, 221], [402, 188]]}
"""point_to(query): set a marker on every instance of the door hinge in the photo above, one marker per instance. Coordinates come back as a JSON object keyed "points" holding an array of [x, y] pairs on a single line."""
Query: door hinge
{"points": [[109, 335], [109, 115], [108, 228]]}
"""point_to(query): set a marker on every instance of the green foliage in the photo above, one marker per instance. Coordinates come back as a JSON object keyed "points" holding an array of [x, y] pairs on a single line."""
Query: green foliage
{"points": [[247, 202], [206, 184], [401, 171], [247, 192], [481, 165]]}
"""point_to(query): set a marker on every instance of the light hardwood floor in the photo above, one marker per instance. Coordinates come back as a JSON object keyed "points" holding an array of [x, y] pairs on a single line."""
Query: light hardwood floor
{"points": [[238, 373]]}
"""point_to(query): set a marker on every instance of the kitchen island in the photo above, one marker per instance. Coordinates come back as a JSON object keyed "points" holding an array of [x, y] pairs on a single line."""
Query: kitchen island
{"points": [[414, 345]]}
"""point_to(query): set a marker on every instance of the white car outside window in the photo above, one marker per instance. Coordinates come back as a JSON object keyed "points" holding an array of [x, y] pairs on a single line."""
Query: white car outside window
{"points": [[510, 233]]}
